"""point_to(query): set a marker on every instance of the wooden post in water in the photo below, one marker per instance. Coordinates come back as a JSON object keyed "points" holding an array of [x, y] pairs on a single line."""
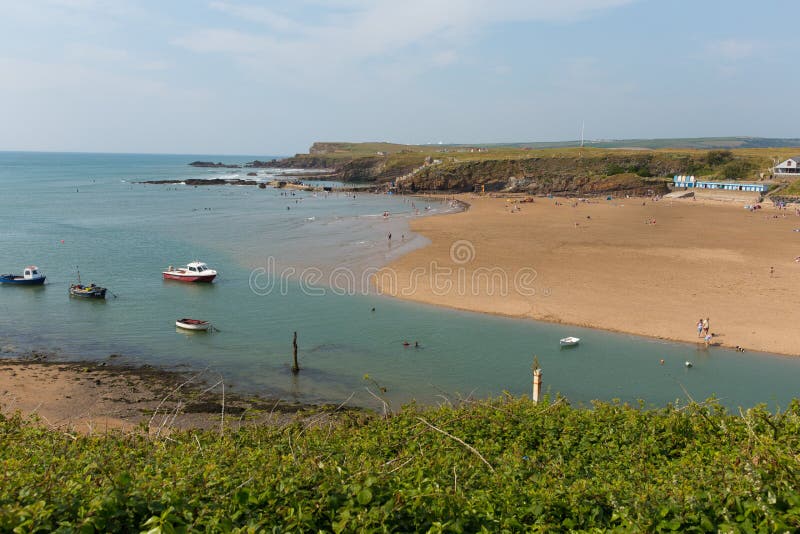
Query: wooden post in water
{"points": [[295, 367], [537, 380]]}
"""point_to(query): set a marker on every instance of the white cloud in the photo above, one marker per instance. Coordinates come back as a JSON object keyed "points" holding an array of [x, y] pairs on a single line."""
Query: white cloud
{"points": [[346, 32], [731, 49], [258, 14]]}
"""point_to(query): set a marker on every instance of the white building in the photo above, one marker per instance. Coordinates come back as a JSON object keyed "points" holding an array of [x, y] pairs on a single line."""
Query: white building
{"points": [[790, 166]]}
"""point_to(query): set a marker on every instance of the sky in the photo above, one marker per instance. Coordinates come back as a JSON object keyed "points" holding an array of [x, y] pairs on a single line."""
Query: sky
{"points": [[271, 77]]}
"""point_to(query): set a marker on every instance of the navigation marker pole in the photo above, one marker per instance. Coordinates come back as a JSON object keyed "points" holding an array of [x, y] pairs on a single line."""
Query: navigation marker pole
{"points": [[537, 380]]}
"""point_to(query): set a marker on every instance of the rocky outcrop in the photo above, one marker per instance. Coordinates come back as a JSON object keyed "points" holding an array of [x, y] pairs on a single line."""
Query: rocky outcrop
{"points": [[557, 175], [211, 164], [299, 161], [200, 181]]}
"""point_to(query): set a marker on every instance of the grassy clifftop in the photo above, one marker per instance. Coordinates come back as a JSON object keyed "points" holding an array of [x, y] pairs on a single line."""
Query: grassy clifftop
{"points": [[504, 465], [571, 170]]}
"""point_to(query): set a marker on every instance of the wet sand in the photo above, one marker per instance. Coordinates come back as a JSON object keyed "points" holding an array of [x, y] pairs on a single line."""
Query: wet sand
{"points": [[100, 397], [651, 269]]}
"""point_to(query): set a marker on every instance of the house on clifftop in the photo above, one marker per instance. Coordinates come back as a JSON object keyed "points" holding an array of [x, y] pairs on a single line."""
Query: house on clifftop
{"points": [[790, 167]]}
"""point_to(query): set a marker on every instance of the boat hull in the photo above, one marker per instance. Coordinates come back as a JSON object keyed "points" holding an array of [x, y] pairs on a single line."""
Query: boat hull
{"points": [[14, 280], [189, 278], [94, 293], [569, 341], [194, 325]]}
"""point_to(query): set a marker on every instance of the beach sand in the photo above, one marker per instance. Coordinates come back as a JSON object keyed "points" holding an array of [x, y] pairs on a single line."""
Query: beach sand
{"points": [[602, 265], [97, 397]]}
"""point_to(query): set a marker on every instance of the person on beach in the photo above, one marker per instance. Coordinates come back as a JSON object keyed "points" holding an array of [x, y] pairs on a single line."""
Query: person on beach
{"points": [[700, 327], [706, 325]]}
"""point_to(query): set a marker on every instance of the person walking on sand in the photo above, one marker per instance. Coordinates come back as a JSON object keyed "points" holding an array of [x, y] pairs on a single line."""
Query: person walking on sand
{"points": [[700, 327], [705, 325]]}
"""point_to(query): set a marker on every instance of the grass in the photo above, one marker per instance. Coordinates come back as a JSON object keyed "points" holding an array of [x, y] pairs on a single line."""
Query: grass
{"points": [[792, 190]]}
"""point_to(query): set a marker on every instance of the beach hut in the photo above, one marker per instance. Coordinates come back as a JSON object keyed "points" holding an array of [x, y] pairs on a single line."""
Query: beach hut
{"points": [[733, 186], [680, 180]]}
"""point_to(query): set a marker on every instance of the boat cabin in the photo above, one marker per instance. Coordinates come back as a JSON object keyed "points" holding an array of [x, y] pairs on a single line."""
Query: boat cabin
{"points": [[197, 267], [31, 273]]}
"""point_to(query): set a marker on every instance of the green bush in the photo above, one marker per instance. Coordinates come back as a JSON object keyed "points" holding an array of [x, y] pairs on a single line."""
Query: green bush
{"points": [[737, 169], [496, 466], [718, 157], [615, 168]]}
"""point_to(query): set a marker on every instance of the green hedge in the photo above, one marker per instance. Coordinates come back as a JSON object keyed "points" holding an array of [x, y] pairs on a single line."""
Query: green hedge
{"points": [[502, 465]]}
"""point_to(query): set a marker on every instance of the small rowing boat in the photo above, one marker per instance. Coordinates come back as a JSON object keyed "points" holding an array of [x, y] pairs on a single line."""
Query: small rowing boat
{"points": [[30, 277], [569, 341], [192, 324]]}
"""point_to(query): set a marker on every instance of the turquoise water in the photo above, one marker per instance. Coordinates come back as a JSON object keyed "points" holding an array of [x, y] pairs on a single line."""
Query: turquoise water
{"points": [[122, 235]]}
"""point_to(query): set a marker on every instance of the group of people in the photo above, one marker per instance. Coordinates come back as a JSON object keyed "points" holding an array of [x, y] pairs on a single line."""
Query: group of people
{"points": [[703, 330]]}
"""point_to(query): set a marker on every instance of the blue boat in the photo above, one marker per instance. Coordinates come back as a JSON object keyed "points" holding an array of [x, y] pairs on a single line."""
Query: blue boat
{"points": [[30, 277]]}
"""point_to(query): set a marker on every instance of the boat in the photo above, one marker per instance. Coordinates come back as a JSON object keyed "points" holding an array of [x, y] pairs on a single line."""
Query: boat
{"points": [[688, 364], [569, 341], [192, 324], [30, 277], [195, 271], [87, 292]]}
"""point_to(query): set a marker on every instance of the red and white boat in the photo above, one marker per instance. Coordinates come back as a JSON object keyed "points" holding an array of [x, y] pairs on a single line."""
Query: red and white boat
{"points": [[193, 324], [196, 271]]}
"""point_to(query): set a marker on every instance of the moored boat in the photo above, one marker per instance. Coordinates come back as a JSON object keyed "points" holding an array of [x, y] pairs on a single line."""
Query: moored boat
{"points": [[569, 341], [195, 271], [88, 292], [192, 324], [30, 277]]}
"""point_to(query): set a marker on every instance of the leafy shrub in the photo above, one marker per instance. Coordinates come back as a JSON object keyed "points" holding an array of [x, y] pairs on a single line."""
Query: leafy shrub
{"points": [[718, 157], [502, 465], [737, 169], [615, 168]]}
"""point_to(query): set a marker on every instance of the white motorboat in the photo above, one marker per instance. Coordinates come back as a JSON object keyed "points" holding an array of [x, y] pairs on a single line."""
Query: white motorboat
{"points": [[192, 324], [195, 271], [569, 341]]}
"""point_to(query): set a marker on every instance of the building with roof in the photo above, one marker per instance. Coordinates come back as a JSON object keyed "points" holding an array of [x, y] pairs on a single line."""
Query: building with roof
{"points": [[788, 167], [690, 181]]}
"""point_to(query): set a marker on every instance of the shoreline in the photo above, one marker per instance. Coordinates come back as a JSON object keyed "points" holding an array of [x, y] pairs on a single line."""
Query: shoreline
{"points": [[503, 239], [100, 396]]}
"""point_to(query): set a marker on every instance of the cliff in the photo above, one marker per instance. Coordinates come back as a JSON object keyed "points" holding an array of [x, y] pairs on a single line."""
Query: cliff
{"points": [[558, 171]]}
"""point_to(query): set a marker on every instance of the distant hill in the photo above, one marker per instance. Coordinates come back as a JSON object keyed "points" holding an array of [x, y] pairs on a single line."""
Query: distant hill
{"points": [[702, 143]]}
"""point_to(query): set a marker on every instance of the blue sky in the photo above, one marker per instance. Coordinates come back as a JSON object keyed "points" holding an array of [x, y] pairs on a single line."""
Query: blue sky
{"points": [[271, 77]]}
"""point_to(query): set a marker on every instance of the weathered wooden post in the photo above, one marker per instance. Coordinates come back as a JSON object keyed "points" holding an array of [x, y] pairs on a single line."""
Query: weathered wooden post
{"points": [[295, 367], [537, 380]]}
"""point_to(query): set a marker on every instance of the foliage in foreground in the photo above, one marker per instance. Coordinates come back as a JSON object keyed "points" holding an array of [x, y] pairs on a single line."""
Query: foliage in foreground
{"points": [[491, 466]]}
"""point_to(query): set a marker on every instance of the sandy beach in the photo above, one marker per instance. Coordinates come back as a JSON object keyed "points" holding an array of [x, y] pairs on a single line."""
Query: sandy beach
{"points": [[628, 265], [99, 397]]}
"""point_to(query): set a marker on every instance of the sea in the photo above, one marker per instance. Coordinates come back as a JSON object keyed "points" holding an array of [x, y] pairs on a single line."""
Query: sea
{"points": [[296, 261]]}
